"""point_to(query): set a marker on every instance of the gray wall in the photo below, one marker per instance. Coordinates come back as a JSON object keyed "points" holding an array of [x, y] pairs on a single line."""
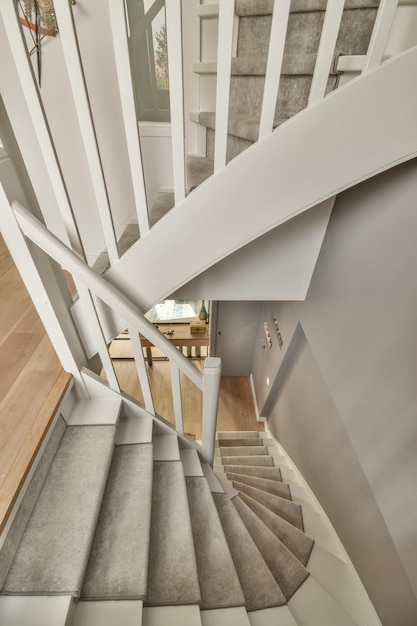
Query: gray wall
{"points": [[234, 327], [343, 400]]}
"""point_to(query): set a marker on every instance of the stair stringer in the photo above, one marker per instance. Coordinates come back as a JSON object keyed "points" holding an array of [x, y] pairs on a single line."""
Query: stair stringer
{"points": [[320, 152]]}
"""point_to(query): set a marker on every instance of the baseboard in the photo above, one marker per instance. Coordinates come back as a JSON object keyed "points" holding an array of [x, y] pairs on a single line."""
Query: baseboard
{"points": [[259, 418]]}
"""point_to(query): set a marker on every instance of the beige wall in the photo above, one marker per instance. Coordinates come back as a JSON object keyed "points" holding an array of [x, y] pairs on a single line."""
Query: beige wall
{"points": [[344, 397]]}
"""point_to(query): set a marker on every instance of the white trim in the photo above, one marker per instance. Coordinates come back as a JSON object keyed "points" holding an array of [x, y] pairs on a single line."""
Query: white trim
{"points": [[259, 418], [224, 52], [370, 615]]}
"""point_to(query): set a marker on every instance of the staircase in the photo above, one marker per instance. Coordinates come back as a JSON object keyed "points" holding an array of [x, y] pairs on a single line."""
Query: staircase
{"points": [[122, 523]]}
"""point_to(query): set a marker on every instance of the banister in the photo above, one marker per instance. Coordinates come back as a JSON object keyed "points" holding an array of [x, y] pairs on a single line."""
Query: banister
{"points": [[106, 292]]}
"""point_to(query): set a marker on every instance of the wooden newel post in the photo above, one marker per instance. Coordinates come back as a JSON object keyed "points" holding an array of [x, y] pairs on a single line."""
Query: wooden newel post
{"points": [[212, 373]]}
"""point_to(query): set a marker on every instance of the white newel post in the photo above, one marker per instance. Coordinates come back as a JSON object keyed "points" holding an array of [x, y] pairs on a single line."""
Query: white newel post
{"points": [[212, 373]]}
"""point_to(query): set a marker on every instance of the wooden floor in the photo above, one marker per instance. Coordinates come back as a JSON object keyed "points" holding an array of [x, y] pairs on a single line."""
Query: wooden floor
{"points": [[236, 406], [32, 382]]}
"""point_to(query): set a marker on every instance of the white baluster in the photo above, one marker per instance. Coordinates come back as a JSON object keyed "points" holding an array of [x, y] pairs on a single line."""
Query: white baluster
{"points": [[224, 64], [274, 64], [325, 54], [176, 95], [81, 102], [212, 374], [380, 34], [118, 21], [176, 396], [141, 369]]}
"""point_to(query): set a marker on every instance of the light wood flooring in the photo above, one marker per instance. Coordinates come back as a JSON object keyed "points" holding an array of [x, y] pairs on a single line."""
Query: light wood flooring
{"points": [[32, 382]]}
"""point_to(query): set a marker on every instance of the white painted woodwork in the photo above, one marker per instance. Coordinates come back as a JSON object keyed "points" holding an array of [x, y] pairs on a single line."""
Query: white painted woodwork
{"points": [[95, 412], [224, 63], [108, 613], [176, 95], [330, 31], [99, 339], [206, 67], [85, 120], [165, 448], [235, 616], [278, 164], [275, 615], [212, 480], [311, 605], [133, 428], [141, 369], [176, 396], [127, 99], [336, 577], [102, 290], [208, 10], [279, 25], [172, 615], [380, 34], [212, 374], [25, 112], [34, 610], [191, 462]]}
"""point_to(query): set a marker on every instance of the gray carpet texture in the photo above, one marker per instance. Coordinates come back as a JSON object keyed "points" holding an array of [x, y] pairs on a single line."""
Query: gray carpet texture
{"points": [[272, 473], [285, 567], [258, 584], [295, 540], [118, 563], [53, 553], [264, 484], [219, 583], [20, 521], [172, 574], [288, 510]]}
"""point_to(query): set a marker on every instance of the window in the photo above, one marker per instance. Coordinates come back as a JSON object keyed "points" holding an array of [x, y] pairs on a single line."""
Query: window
{"points": [[149, 59]]}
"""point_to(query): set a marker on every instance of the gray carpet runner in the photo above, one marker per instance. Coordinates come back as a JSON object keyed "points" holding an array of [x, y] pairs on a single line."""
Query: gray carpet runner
{"points": [[259, 586], [53, 553], [219, 583], [112, 524], [172, 574], [118, 564]]}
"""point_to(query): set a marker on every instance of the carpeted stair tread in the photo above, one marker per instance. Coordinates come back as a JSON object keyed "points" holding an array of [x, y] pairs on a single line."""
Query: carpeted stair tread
{"points": [[296, 541], [172, 573], [261, 460], [271, 473], [219, 582], [264, 484], [227, 443], [198, 170], [288, 510], [118, 563], [265, 7], [292, 65], [259, 586], [53, 553], [285, 567], [239, 434], [244, 451], [163, 202], [241, 126]]}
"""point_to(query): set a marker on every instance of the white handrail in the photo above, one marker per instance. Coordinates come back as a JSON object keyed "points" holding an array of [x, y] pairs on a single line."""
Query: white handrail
{"points": [[176, 95], [224, 64], [329, 33], [81, 102], [279, 26], [118, 21], [380, 33], [101, 289]]}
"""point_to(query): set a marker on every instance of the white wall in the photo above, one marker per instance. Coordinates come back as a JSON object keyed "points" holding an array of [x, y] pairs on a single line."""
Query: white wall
{"points": [[344, 400]]}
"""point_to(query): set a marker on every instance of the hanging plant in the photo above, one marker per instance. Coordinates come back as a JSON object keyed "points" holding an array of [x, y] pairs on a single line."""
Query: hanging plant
{"points": [[39, 17]]}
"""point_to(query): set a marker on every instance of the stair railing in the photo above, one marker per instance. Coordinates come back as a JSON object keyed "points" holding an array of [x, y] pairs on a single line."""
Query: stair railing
{"points": [[16, 224]]}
